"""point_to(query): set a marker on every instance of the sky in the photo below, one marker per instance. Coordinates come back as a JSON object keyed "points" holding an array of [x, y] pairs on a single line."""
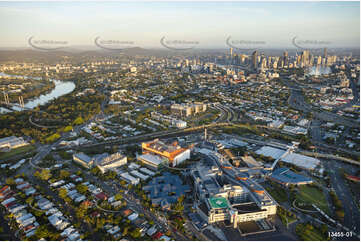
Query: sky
{"points": [[205, 24]]}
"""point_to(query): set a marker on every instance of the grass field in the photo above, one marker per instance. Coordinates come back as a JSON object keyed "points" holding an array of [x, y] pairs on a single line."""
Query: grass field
{"points": [[313, 235], [309, 235], [278, 194], [312, 195], [17, 151], [285, 218]]}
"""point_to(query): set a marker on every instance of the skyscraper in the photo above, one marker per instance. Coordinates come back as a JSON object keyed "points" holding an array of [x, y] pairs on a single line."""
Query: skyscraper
{"points": [[325, 53], [285, 58], [305, 57], [255, 59], [231, 56]]}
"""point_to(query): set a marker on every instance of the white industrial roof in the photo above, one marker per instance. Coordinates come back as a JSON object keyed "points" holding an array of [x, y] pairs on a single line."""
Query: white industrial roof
{"points": [[129, 177], [293, 158], [151, 158], [270, 151], [140, 175]]}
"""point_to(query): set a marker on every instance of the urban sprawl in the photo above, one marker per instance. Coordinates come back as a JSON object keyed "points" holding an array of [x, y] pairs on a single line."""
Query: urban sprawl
{"points": [[192, 145]]}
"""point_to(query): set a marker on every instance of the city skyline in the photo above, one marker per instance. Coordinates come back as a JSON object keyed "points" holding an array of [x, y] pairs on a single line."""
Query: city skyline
{"points": [[208, 24]]}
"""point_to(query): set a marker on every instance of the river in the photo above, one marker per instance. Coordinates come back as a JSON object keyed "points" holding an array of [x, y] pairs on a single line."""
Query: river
{"points": [[61, 88]]}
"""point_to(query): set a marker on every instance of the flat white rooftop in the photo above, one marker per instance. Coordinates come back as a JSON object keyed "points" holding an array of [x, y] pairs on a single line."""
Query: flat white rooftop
{"points": [[292, 158], [156, 160]]}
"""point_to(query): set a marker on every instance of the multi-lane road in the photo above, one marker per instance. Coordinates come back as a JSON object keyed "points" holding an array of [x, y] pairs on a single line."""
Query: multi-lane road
{"points": [[297, 101], [352, 212]]}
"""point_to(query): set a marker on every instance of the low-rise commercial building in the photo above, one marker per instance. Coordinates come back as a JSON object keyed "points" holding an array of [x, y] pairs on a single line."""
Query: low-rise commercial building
{"points": [[174, 153], [128, 178], [103, 161], [168, 119], [186, 110], [287, 177], [140, 175], [83, 160], [151, 161], [12, 142], [112, 161]]}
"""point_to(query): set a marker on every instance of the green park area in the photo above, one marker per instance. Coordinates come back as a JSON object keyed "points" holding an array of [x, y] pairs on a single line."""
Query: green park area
{"points": [[277, 193], [287, 217], [308, 232], [17, 151], [312, 195]]}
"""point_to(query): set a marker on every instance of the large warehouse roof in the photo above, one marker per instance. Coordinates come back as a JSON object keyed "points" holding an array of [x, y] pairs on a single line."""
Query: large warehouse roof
{"points": [[156, 160], [292, 158], [285, 175]]}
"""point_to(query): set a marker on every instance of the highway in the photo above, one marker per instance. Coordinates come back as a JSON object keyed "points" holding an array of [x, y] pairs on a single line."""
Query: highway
{"points": [[41, 126], [297, 101], [149, 136], [352, 213], [43, 150]]}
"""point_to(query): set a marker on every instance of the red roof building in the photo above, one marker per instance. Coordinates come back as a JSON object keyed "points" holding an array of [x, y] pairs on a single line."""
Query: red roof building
{"points": [[157, 236], [101, 196]]}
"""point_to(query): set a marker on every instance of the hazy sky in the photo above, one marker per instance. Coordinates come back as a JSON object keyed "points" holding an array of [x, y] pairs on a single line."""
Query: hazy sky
{"points": [[209, 23]]}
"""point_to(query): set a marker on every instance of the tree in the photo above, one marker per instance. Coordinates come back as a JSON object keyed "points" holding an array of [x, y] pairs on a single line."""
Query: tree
{"points": [[52, 138], [118, 196], [10, 181], [340, 214], [81, 211], [63, 193], [63, 154], [179, 205], [29, 200], [95, 171], [82, 188], [324, 229], [79, 120], [125, 231], [309, 227], [45, 174], [110, 175], [68, 128], [42, 232], [64, 174], [135, 233]]}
